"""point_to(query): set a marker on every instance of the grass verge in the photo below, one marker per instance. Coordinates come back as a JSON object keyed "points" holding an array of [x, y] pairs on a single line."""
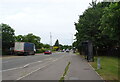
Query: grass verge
{"points": [[77, 53], [109, 67]]}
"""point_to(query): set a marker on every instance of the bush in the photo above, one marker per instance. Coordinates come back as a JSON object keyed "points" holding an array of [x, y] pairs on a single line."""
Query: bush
{"points": [[40, 50], [43, 50]]}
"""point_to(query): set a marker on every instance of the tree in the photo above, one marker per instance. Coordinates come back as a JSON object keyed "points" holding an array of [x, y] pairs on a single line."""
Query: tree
{"points": [[88, 24], [110, 23], [56, 43], [66, 47], [29, 38], [46, 45], [19, 38], [56, 46], [99, 24], [8, 37]]}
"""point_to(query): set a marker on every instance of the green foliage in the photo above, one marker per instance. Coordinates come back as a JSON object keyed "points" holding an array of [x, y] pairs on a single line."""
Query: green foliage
{"points": [[7, 37], [40, 50], [29, 38], [110, 23], [19, 38], [33, 39], [46, 45], [43, 50], [56, 43], [99, 24], [65, 47], [88, 24], [109, 67]]}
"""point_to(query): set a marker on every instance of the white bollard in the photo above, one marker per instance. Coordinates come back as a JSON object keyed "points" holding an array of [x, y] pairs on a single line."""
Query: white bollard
{"points": [[98, 63]]}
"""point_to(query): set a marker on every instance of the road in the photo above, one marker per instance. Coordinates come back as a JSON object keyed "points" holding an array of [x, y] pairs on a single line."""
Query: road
{"points": [[47, 67], [18, 61]]}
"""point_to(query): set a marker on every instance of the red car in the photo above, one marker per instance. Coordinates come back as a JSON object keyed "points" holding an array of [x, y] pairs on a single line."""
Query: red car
{"points": [[48, 52]]}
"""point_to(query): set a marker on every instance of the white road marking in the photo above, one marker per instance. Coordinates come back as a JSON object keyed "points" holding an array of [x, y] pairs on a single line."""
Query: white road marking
{"points": [[39, 68], [48, 59], [35, 62], [26, 65], [5, 62], [46, 55], [11, 69], [55, 60], [31, 72]]}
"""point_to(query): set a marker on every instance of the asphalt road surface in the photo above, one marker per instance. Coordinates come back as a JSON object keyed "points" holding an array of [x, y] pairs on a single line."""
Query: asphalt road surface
{"points": [[47, 67]]}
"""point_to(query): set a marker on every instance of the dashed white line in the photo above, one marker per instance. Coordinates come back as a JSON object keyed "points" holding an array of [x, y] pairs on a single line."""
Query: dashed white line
{"points": [[31, 72], [11, 69], [26, 65], [39, 68], [5, 62], [48, 59]]}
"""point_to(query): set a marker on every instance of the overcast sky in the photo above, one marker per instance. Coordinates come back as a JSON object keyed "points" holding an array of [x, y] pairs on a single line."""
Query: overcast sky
{"points": [[41, 17]]}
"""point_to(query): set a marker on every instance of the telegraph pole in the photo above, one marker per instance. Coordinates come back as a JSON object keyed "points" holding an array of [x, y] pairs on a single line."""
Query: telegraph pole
{"points": [[50, 40], [71, 38]]}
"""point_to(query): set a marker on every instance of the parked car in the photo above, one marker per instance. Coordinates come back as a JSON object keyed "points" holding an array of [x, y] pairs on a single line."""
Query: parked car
{"points": [[47, 52]]}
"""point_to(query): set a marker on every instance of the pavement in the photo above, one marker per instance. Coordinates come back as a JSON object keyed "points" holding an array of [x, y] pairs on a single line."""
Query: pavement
{"points": [[48, 67], [80, 69]]}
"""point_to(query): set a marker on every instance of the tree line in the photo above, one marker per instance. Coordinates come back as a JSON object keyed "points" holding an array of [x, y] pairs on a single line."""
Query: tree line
{"points": [[8, 39], [61, 47], [100, 23]]}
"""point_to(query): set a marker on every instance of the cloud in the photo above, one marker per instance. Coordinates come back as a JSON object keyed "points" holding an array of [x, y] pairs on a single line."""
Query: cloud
{"points": [[38, 1], [41, 17]]}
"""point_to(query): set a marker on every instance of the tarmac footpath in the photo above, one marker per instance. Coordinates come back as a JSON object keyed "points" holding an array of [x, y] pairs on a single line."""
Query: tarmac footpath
{"points": [[80, 69]]}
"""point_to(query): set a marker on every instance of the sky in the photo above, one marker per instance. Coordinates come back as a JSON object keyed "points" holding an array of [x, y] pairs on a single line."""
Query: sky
{"points": [[41, 17]]}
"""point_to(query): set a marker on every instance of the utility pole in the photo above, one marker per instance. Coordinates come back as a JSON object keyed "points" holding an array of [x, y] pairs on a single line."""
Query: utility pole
{"points": [[71, 38], [50, 40]]}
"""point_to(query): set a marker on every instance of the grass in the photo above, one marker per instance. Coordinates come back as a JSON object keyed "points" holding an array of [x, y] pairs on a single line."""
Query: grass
{"points": [[109, 67], [77, 53]]}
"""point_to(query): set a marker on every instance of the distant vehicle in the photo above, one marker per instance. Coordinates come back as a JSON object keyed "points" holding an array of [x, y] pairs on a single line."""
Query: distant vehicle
{"points": [[24, 48], [47, 52], [63, 50], [67, 50]]}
